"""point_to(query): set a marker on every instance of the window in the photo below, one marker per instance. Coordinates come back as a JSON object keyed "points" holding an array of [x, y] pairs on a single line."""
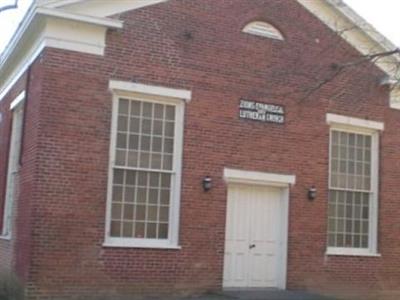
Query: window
{"points": [[13, 163], [144, 185], [352, 204], [263, 29]]}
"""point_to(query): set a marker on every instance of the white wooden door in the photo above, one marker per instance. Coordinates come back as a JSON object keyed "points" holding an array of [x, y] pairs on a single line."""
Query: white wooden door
{"points": [[253, 237]]}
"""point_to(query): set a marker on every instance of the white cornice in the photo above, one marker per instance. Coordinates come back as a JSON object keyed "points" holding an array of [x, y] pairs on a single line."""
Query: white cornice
{"points": [[57, 3], [44, 27], [76, 25], [107, 8], [106, 22]]}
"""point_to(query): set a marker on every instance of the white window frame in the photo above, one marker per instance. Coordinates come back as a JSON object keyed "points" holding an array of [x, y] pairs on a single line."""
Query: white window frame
{"points": [[16, 106], [154, 94], [365, 127]]}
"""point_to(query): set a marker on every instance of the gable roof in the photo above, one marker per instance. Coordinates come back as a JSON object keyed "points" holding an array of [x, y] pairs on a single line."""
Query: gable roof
{"points": [[91, 22]]}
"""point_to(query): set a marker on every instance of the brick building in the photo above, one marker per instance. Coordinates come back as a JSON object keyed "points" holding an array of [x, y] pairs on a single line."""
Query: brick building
{"points": [[182, 146]]}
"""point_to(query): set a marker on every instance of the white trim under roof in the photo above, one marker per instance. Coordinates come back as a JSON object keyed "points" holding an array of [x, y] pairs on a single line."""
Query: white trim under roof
{"points": [[57, 3], [125, 86], [333, 119], [107, 8], [110, 23], [258, 178], [44, 27]]}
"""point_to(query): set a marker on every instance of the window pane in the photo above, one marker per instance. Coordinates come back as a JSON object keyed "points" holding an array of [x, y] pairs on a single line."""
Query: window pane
{"points": [[348, 219], [144, 160], [120, 158], [157, 144], [146, 126], [170, 112], [163, 231], [168, 145], [139, 230], [116, 212], [151, 231], [159, 111], [119, 177], [127, 230], [133, 142], [140, 198], [133, 158], [129, 194], [128, 212], [164, 211], [165, 180], [152, 213], [167, 162], [149, 130], [153, 196], [121, 140], [115, 229], [117, 193], [123, 108], [155, 179], [140, 212], [156, 161], [147, 110], [122, 123], [169, 129], [164, 197], [135, 108], [134, 125], [350, 155], [157, 127], [145, 143]]}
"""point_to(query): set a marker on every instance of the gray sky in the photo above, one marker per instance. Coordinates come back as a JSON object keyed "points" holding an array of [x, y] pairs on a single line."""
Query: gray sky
{"points": [[382, 14]]}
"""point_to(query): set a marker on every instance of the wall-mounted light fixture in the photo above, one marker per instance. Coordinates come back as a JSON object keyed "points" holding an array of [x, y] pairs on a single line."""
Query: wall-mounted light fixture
{"points": [[207, 183], [312, 193]]}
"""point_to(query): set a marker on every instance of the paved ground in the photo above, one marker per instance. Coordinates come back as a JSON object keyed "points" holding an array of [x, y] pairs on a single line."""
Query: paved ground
{"points": [[270, 294]]}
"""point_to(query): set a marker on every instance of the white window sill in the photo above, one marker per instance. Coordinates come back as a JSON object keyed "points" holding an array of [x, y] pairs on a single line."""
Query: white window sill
{"points": [[5, 237], [140, 243], [351, 252]]}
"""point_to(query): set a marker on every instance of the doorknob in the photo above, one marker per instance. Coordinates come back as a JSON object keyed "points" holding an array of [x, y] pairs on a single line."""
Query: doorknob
{"points": [[252, 246]]}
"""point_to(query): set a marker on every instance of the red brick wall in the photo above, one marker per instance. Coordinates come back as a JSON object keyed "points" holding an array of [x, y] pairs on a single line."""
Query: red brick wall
{"points": [[15, 253], [29, 172], [198, 45]]}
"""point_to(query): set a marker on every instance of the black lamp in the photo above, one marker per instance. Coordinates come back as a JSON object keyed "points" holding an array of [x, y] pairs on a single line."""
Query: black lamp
{"points": [[312, 193], [207, 183]]}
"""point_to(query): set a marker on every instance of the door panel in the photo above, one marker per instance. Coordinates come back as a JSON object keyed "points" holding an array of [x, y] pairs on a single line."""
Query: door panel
{"points": [[264, 234], [252, 237], [236, 242]]}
